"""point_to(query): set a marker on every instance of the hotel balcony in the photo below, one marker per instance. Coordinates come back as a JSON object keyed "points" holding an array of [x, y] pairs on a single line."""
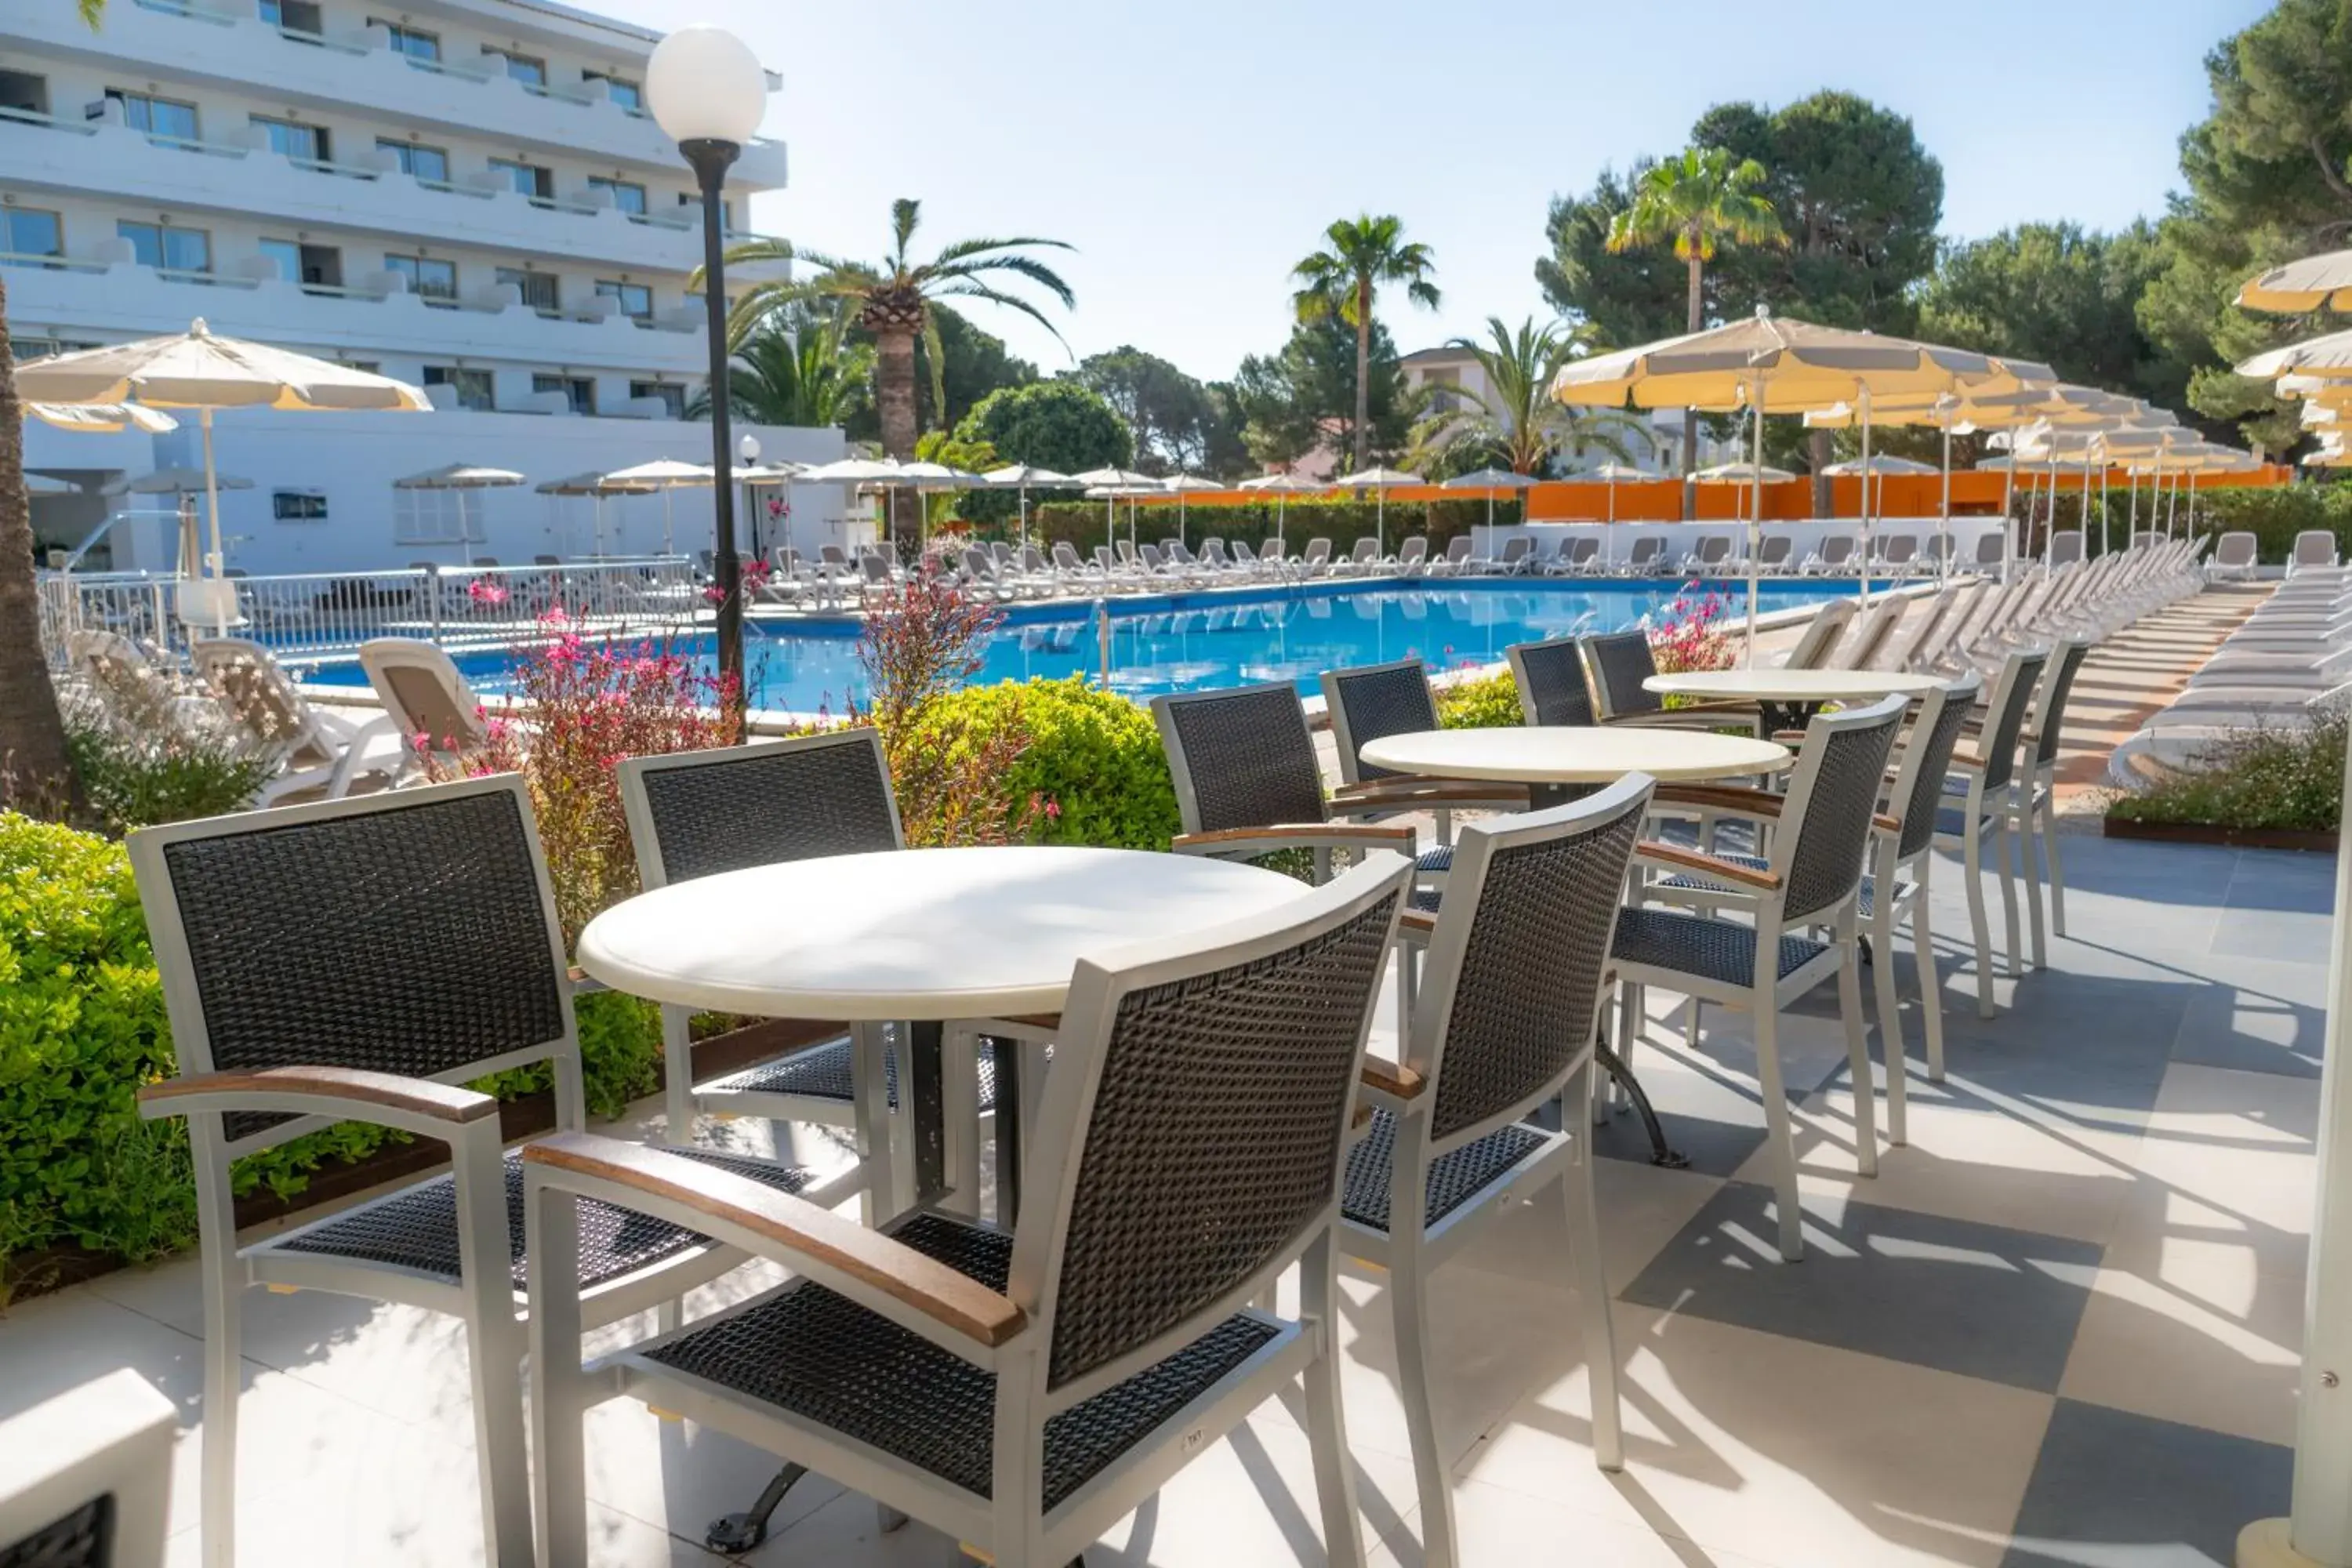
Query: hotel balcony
{"points": [[226, 42], [374, 320], [103, 156]]}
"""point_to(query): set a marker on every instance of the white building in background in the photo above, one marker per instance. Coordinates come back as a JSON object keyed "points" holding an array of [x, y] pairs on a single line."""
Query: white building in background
{"points": [[468, 195]]}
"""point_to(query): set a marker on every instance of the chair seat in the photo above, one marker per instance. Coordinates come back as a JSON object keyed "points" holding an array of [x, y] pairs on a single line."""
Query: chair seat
{"points": [[1904, 888], [820, 1356], [1436, 858], [824, 1072], [1453, 1180], [417, 1228], [1717, 949]]}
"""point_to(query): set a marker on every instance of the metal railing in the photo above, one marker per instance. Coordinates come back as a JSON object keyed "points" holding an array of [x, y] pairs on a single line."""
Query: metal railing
{"points": [[320, 616]]}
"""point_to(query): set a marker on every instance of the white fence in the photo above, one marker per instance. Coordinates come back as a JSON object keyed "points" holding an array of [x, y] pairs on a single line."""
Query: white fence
{"points": [[327, 614]]}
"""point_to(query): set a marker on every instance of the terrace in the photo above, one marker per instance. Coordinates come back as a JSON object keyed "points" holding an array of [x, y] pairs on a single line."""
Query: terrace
{"points": [[2061, 1323]]}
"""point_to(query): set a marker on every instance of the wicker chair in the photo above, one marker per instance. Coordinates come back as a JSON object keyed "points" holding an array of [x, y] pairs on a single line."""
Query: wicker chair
{"points": [[1895, 888], [1812, 877], [1982, 804], [1515, 971], [86, 1478], [1615, 666], [698, 814], [357, 960], [1549, 676], [1372, 701], [1025, 1391]]}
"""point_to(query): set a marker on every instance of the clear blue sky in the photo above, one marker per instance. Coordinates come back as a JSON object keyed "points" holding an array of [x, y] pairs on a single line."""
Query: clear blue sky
{"points": [[1193, 153]]}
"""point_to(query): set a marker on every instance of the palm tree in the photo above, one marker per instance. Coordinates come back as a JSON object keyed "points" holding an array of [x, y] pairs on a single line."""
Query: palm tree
{"points": [[1518, 420], [35, 774], [893, 299], [1359, 255], [796, 368], [1698, 200]]}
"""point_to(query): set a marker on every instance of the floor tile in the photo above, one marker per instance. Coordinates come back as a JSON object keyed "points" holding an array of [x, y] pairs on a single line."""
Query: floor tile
{"points": [[2228, 1341], [1499, 1527], [2247, 1027], [2267, 934], [1643, 1207], [2226, 1162], [1799, 1455], [1982, 1300], [2121, 1491]]}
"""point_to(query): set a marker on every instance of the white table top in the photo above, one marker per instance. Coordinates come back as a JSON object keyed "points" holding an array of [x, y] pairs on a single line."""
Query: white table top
{"points": [[1568, 754], [1793, 685], [910, 933]]}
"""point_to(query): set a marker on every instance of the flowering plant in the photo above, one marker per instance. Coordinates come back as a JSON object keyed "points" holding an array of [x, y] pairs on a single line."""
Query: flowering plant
{"points": [[755, 574], [482, 591], [924, 640], [1687, 632]]}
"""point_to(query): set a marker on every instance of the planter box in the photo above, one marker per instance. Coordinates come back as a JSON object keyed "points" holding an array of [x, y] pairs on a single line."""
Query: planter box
{"points": [[2207, 832]]}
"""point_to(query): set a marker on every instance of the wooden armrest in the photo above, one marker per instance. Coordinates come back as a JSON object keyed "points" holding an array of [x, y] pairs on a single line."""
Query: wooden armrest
{"points": [[1884, 822], [582, 983], [841, 1247], [1363, 832], [1393, 1078], [1707, 866], [1969, 760], [331, 1086], [1416, 925], [1720, 798]]}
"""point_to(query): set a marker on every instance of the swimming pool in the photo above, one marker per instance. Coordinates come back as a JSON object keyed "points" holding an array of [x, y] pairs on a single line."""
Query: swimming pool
{"points": [[1189, 642]]}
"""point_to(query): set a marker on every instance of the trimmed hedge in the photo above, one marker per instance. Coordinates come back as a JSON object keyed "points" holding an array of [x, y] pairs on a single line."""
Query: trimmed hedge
{"points": [[1080, 524], [1091, 755]]}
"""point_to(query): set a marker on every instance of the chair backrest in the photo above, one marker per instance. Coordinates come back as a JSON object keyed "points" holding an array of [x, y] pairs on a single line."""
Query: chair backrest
{"points": [[1319, 551], [1550, 679], [1242, 554], [420, 686], [1195, 1125], [1413, 551], [1367, 551], [2315, 547], [877, 569], [1899, 548], [1820, 633], [413, 932], [1837, 549], [1580, 550], [1033, 560], [1647, 549], [1515, 549], [2235, 550], [1515, 969], [1241, 757], [1270, 552], [1870, 638], [2050, 702], [696, 813], [1065, 557], [1926, 759], [2065, 548], [86, 1477], [1615, 666], [1458, 550], [831, 555], [1993, 548], [249, 682], [1934, 548], [1212, 551], [1825, 823], [1371, 701], [2012, 694], [1715, 549], [1151, 557], [1775, 549]]}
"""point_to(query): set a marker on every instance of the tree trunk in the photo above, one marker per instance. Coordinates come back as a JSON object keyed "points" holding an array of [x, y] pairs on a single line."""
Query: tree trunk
{"points": [[36, 776], [1817, 455], [1363, 368], [894, 391], [1694, 317]]}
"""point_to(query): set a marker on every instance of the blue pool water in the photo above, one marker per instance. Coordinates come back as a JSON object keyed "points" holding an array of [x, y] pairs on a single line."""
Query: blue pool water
{"points": [[1187, 642]]}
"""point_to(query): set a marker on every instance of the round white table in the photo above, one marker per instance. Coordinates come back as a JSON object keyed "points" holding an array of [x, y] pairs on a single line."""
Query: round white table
{"points": [[1789, 698], [1561, 763], [921, 936]]}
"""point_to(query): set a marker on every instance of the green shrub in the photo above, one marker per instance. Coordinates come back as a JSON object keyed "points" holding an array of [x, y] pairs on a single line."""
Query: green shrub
{"points": [[1480, 702], [1090, 755], [2273, 515], [1342, 520], [143, 761], [2289, 778]]}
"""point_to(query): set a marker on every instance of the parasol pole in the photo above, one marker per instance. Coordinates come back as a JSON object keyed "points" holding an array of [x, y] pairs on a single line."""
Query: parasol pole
{"points": [[1756, 518], [217, 560], [2009, 516], [1944, 524], [1865, 494]]}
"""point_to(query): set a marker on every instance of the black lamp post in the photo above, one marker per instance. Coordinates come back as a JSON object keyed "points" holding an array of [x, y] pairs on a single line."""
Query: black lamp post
{"points": [[708, 89]]}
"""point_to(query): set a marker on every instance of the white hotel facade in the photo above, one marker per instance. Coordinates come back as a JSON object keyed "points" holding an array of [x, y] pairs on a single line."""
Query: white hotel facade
{"points": [[468, 195]]}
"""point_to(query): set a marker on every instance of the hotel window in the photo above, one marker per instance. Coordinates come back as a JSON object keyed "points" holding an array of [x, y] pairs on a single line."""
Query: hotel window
{"points": [[410, 41], [293, 16], [168, 249], [626, 195], [473, 386], [673, 396], [165, 120], [527, 178], [314, 267], [429, 279], [27, 233], [725, 209], [525, 69], [637, 298], [304, 143], [628, 94], [423, 163], [580, 391], [298, 506], [22, 92], [540, 290]]}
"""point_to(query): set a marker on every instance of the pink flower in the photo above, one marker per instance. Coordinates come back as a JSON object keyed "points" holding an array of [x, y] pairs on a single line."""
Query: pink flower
{"points": [[1054, 810]]}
